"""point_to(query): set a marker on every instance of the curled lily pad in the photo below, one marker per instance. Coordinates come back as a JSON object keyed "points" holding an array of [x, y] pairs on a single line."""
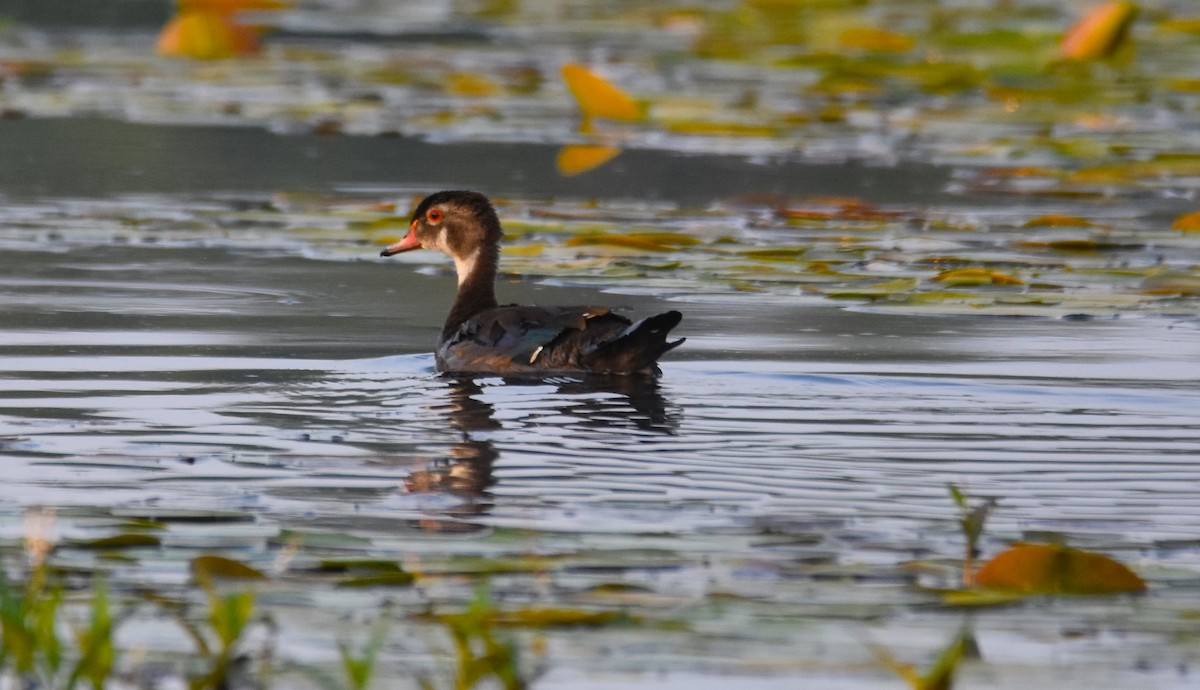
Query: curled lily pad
{"points": [[597, 97], [1099, 33]]}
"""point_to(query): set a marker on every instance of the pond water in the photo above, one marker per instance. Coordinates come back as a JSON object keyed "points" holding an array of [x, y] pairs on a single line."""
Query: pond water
{"points": [[196, 332], [763, 503]]}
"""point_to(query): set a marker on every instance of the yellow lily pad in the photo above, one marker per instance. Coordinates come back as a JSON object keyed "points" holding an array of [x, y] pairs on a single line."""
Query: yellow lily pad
{"points": [[976, 276], [875, 40]]}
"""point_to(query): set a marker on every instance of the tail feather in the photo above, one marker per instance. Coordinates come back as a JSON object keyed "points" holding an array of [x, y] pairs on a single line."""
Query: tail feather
{"points": [[638, 347]]}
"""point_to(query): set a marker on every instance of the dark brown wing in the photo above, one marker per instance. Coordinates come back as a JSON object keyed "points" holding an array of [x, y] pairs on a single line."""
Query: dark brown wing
{"points": [[514, 340], [521, 339]]}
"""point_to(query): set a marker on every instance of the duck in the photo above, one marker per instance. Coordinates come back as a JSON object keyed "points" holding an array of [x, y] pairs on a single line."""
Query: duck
{"points": [[480, 336]]}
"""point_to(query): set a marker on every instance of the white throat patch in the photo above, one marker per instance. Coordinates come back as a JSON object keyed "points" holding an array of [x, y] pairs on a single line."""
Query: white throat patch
{"points": [[465, 265]]}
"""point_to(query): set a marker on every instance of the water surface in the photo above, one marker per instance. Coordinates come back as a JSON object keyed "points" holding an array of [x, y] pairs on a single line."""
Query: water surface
{"points": [[791, 460]]}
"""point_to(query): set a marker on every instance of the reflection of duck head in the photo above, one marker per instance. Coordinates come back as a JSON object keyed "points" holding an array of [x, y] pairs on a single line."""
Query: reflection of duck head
{"points": [[609, 402]]}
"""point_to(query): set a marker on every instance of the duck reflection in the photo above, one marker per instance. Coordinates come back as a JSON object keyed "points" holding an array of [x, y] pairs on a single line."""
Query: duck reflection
{"points": [[466, 472]]}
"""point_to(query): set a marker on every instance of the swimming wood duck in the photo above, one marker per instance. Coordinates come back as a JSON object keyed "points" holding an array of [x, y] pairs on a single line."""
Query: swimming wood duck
{"points": [[480, 336]]}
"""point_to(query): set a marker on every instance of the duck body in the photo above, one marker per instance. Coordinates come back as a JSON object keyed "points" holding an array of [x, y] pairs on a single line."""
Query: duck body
{"points": [[482, 337]]}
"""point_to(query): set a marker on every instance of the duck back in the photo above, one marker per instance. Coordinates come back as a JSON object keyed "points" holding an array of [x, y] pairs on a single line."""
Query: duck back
{"points": [[515, 339]]}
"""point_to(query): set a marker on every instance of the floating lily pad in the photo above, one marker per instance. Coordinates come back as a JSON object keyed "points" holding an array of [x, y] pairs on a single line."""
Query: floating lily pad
{"points": [[120, 541], [1055, 569]]}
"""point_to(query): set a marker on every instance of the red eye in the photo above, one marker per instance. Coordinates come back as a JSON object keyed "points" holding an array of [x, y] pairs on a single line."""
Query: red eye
{"points": [[434, 216]]}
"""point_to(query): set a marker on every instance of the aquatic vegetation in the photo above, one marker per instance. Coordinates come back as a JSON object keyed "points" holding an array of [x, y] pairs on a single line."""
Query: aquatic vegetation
{"points": [[1056, 569], [1100, 33], [482, 653], [360, 668], [210, 30], [597, 97], [1031, 569], [940, 675], [31, 645], [1063, 187], [971, 521]]}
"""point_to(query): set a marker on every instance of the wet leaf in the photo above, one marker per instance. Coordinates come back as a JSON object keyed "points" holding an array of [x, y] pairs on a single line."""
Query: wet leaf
{"points": [[848, 209], [1059, 221], [1189, 222], [205, 568], [776, 253], [1099, 33], [576, 159], [1055, 569], [976, 276], [120, 541], [475, 85], [597, 97], [875, 40], [208, 29], [199, 34]]}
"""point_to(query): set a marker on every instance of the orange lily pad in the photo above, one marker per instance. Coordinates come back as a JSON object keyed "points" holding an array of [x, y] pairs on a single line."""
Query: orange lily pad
{"points": [[1059, 221], [1187, 223], [1099, 33], [1056, 569], [597, 97], [206, 29], [577, 159]]}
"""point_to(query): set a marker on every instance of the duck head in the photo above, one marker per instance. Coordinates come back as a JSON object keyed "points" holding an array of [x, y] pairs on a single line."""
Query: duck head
{"points": [[457, 223]]}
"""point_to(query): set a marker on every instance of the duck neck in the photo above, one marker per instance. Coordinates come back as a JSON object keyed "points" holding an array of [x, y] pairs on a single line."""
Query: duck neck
{"points": [[476, 287]]}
